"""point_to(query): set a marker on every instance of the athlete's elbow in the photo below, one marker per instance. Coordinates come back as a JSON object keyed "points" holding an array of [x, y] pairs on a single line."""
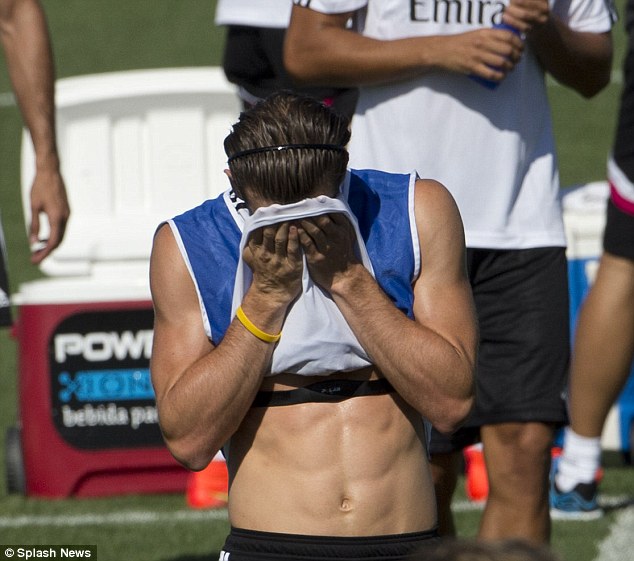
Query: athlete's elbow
{"points": [[592, 79], [453, 415], [596, 87], [457, 404], [297, 69], [193, 453], [193, 458], [600, 75], [588, 88], [460, 413], [301, 63]]}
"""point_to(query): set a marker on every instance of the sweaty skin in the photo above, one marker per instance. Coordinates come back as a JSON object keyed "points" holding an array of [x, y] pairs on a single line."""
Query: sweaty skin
{"points": [[338, 483], [354, 468]]}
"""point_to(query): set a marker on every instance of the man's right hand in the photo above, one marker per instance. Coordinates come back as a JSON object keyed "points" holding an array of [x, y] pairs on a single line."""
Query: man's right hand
{"points": [[273, 253], [48, 196], [488, 53]]}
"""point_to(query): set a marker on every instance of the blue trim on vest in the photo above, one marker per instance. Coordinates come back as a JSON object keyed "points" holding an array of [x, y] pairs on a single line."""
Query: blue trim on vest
{"points": [[212, 238], [379, 200]]}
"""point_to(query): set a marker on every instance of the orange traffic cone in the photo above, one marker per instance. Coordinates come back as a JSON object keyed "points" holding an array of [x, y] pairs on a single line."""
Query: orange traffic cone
{"points": [[209, 488], [477, 481]]}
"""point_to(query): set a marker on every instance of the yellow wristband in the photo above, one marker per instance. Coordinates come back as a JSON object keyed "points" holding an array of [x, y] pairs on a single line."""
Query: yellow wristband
{"points": [[262, 335]]}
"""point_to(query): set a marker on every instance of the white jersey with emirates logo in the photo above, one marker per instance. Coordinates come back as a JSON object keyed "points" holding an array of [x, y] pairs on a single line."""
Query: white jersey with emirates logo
{"points": [[493, 149]]}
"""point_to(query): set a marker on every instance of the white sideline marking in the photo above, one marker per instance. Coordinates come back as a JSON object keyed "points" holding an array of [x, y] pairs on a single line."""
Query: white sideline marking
{"points": [[617, 545], [114, 518], [7, 99], [142, 517], [190, 515], [467, 506]]}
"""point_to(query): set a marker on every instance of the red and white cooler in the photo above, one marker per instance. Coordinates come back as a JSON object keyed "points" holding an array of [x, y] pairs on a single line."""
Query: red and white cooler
{"points": [[136, 148]]}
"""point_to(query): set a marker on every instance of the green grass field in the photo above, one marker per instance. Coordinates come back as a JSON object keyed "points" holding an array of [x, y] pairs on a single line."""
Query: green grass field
{"points": [[92, 36]]}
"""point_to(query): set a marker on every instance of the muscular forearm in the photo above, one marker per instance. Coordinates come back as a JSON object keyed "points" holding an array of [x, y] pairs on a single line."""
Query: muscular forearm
{"points": [[206, 404], [430, 372], [205, 407], [320, 50], [582, 61], [347, 59], [27, 48], [203, 392]]}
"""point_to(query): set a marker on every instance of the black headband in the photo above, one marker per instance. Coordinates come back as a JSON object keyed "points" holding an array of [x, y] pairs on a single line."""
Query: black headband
{"points": [[250, 151]]}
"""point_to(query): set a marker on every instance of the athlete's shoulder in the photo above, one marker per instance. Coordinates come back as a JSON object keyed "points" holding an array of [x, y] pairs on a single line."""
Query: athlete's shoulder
{"points": [[435, 207], [380, 181]]}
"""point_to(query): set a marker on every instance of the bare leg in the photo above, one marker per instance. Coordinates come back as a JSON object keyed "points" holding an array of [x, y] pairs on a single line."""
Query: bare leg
{"points": [[604, 346], [517, 456]]}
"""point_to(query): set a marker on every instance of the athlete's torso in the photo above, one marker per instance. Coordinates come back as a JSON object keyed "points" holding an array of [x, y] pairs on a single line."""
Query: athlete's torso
{"points": [[354, 466]]}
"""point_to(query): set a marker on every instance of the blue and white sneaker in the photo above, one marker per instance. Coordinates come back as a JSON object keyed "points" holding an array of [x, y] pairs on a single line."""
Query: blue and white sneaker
{"points": [[579, 504]]}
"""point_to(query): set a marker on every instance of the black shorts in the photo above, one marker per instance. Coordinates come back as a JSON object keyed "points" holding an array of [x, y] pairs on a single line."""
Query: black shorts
{"points": [[253, 60], [5, 305], [250, 545], [521, 299], [618, 237]]}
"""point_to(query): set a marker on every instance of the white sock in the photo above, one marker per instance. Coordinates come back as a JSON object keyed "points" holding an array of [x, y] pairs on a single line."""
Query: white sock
{"points": [[579, 460]]}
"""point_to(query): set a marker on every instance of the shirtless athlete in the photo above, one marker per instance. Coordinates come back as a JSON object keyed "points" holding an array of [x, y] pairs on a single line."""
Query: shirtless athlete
{"points": [[324, 434]]}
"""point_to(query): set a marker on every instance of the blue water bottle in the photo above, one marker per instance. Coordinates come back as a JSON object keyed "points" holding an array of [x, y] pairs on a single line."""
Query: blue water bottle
{"points": [[492, 84]]}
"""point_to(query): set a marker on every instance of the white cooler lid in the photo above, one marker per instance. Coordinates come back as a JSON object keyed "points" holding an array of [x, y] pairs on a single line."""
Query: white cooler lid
{"points": [[127, 282], [136, 148], [584, 209]]}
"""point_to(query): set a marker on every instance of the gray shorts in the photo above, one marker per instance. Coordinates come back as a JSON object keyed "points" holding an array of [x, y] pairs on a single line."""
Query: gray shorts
{"points": [[521, 298]]}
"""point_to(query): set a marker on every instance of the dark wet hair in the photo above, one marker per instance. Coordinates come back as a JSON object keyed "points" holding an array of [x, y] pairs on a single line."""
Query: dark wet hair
{"points": [[286, 148]]}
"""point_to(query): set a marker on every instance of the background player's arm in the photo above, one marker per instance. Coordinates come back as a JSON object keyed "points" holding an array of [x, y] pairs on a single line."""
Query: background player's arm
{"points": [[429, 361], [202, 391], [320, 49], [578, 59], [25, 40]]}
